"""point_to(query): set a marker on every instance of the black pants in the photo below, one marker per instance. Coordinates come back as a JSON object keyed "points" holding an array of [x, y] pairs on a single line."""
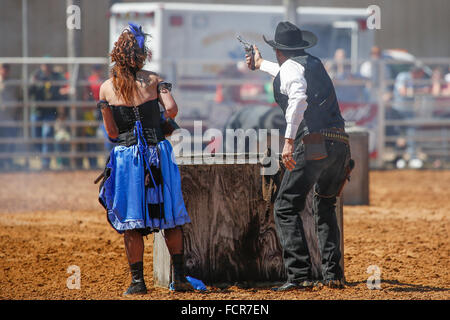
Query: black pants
{"points": [[326, 176]]}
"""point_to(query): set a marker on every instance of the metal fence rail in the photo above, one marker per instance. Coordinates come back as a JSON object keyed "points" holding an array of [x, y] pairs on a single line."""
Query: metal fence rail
{"points": [[428, 128]]}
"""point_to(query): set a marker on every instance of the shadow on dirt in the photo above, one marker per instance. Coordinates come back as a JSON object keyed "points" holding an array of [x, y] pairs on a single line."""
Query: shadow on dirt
{"points": [[402, 287]]}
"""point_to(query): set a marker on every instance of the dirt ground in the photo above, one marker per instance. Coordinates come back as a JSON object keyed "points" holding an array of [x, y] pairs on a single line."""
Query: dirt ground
{"points": [[50, 221]]}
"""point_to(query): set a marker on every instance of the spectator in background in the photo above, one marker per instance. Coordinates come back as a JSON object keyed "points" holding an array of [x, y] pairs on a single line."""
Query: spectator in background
{"points": [[8, 94], [92, 93], [340, 70], [371, 70], [446, 90], [44, 89], [437, 82], [66, 89], [406, 88], [440, 92], [337, 66], [95, 79], [62, 138]]}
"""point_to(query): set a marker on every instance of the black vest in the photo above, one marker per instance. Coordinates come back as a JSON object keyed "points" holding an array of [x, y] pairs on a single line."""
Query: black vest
{"points": [[322, 111]]}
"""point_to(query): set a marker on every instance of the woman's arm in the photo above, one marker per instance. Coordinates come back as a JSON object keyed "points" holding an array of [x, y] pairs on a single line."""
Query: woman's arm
{"points": [[108, 119], [166, 99]]}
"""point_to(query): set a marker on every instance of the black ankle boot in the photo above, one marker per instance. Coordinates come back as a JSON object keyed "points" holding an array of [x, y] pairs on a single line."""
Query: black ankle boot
{"points": [[179, 278], [137, 285]]}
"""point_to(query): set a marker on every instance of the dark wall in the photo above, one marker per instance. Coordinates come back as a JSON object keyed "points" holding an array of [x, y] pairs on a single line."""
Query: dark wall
{"points": [[47, 32]]}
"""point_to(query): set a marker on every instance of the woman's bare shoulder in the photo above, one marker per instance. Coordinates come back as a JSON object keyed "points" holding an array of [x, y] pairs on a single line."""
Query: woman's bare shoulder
{"points": [[107, 84], [106, 89]]}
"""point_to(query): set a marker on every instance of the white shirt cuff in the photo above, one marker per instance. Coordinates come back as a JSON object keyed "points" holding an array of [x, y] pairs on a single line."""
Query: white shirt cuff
{"points": [[291, 130]]}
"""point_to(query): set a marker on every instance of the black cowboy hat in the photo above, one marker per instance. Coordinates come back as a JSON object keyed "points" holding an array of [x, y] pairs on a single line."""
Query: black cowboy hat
{"points": [[289, 37]]}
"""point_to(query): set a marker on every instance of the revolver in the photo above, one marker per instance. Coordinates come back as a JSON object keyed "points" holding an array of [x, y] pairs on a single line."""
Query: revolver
{"points": [[249, 50]]}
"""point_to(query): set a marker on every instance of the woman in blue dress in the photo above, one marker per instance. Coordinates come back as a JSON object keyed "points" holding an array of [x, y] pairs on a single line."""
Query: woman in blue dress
{"points": [[141, 188]]}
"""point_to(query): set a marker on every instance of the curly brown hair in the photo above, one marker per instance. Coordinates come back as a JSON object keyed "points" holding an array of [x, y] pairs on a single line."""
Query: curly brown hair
{"points": [[128, 59]]}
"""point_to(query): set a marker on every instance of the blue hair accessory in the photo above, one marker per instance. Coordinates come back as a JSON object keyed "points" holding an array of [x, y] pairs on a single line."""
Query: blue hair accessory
{"points": [[138, 34]]}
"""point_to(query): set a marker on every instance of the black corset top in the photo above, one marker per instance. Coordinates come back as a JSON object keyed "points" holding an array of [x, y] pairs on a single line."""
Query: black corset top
{"points": [[148, 113]]}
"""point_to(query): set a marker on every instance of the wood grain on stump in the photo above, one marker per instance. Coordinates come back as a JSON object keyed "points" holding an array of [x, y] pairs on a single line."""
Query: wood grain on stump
{"points": [[232, 236]]}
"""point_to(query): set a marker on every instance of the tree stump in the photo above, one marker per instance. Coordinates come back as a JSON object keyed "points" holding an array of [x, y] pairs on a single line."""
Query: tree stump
{"points": [[356, 191], [232, 237]]}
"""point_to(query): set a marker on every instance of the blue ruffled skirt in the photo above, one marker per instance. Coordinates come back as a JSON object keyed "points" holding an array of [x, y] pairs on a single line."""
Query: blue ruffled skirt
{"points": [[138, 198]]}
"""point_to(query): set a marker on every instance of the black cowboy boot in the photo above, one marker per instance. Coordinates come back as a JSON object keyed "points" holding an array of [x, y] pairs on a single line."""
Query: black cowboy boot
{"points": [[288, 286], [179, 278], [334, 283], [137, 285]]}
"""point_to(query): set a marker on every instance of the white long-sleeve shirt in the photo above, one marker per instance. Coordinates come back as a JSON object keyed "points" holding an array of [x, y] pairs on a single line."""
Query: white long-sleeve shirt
{"points": [[293, 85]]}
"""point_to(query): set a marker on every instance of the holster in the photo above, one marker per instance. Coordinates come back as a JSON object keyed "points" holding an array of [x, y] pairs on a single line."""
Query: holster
{"points": [[104, 174], [315, 148], [348, 170]]}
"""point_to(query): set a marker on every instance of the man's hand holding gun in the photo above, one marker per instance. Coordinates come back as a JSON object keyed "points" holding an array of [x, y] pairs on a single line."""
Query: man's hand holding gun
{"points": [[252, 55]]}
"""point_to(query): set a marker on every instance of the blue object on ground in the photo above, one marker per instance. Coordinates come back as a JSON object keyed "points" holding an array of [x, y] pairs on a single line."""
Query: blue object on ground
{"points": [[196, 284]]}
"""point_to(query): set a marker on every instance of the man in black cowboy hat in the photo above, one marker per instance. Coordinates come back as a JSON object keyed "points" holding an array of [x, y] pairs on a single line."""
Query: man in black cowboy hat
{"points": [[316, 155]]}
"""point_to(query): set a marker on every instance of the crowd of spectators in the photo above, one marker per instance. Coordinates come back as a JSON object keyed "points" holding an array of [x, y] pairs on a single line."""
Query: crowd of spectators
{"points": [[50, 114], [9, 95], [406, 79], [411, 90], [50, 110]]}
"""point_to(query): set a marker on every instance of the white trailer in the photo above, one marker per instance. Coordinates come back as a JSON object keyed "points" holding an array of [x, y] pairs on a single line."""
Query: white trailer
{"points": [[203, 34]]}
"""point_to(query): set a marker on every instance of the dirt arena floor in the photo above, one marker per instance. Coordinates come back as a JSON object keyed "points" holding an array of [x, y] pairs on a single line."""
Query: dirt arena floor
{"points": [[50, 221]]}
